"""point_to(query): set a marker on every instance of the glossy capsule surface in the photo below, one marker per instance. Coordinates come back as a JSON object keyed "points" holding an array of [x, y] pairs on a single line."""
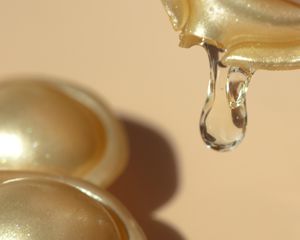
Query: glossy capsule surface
{"points": [[37, 206], [58, 128], [262, 34]]}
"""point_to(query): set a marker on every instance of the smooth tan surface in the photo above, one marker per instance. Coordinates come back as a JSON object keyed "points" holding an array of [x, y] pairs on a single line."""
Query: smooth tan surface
{"points": [[264, 34], [127, 52]]}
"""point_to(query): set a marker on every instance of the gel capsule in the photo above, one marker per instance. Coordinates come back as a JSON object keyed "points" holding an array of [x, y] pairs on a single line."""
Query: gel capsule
{"points": [[262, 33], [58, 128], [251, 35], [37, 206]]}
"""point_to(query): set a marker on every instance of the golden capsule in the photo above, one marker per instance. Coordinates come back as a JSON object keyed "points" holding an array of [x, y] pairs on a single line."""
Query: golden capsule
{"points": [[57, 128], [262, 34], [36, 206]]}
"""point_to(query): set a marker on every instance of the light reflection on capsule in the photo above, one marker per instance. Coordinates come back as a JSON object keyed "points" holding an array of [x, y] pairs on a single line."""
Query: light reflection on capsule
{"points": [[11, 145]]}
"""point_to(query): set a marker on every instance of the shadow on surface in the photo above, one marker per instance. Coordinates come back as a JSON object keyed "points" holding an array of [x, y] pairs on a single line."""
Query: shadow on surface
{"points": [[149, 181]]}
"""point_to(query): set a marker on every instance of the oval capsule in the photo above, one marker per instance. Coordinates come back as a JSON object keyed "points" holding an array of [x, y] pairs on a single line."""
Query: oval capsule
{"points": [[58, 128], [38, 206]]}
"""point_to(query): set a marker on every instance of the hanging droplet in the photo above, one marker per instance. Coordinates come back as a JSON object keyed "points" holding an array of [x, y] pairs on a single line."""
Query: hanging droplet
{"points": [[224, 115]]}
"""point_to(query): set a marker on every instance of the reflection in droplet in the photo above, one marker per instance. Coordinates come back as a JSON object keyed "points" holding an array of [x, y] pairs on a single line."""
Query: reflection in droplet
{"points": [[224, 116]]}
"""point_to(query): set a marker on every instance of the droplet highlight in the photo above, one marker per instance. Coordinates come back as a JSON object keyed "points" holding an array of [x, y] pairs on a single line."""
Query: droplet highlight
{"points": [[224, 116]]}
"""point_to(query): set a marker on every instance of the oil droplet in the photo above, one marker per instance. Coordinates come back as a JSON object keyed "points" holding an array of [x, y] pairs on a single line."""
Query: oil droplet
{"points": [[224, 115]]}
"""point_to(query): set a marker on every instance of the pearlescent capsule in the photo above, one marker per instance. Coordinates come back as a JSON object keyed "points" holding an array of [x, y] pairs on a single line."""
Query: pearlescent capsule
{"points": [[57, 128], [261, 34], [37, 206], [241, 37]]}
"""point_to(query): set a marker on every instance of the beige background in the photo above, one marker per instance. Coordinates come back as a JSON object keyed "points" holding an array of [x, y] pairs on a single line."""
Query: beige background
{"points": [[127, 52]]}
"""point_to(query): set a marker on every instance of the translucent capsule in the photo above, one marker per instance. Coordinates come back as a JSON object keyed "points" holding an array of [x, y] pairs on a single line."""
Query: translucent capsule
{"points": [[264, 33]]}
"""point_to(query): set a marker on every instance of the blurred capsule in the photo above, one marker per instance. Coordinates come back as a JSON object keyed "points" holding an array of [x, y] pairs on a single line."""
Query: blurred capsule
{"points": [[37, 206], [54, 127]]}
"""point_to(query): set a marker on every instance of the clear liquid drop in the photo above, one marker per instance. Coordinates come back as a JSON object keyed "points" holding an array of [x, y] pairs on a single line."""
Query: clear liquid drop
{"points": [[224, 116]]}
